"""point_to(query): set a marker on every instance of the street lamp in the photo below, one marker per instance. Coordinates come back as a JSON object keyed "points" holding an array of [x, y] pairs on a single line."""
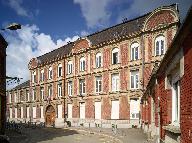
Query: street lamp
{"points": [[3, 46]]}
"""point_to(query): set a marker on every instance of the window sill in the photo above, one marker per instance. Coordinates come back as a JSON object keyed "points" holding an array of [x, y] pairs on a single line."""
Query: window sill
{"points": [[172, 128]]}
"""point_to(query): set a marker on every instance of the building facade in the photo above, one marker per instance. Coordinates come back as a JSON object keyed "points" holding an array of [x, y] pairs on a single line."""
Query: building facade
{"points": [[3, 46], [166, 104], [99, 79]]}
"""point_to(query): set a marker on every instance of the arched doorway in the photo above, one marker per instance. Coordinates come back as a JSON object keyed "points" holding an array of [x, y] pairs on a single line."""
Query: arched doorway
{"points": [[50, 116]]}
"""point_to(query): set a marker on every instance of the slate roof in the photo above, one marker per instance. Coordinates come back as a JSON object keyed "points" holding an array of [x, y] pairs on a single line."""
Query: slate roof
{"points": [[22, 85], [126, 28]]}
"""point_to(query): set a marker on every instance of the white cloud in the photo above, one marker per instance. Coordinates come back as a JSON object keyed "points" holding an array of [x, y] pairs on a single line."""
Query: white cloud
{"points": [[140, 7], [94, 11], [25, 44], [17, 6]]}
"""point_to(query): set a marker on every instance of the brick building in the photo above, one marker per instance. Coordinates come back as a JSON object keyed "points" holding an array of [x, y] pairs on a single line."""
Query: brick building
{"points": [[99, 79], [167, 102], [3, 45]]}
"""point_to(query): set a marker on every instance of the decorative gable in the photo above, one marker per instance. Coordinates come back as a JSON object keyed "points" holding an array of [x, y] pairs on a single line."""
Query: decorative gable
{"points": [[81, 45]]}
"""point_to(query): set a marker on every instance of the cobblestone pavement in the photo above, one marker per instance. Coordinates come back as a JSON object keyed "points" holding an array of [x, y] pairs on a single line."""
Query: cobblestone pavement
{"points": [[53, 135], [78, 135]]}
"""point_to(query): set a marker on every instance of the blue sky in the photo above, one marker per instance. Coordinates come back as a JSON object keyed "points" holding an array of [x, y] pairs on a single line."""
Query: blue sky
{"points": [[49, 24]]}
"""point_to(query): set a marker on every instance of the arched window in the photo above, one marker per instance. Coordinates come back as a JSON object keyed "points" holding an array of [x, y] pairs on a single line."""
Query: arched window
{"points": [[98, 62], [50, 73], [70, 67], [115, 56], [134, 51], [159, 45], [34, 77], [59, 70], [82, 64]]}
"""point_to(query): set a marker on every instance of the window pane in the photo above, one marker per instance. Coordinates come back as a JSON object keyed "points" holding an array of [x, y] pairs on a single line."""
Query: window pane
{"points": [[132, 52], [162, 47], [132, 81], [157, 48], [136, 81], [115, 58], [136, 53]]}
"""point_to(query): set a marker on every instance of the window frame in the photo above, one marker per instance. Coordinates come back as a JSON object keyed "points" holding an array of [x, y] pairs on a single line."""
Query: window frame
{"points": [[115, 50], [115, 77], [59, 70], [42, 91], [70, 88], [50, 91], [82, 64], [82, 87], [98, 60], [159, 39], [98, 84], [42, 75], [133, 47], [133, 74], [70, 67], [50, 72], [59, 89], [34, 77]]}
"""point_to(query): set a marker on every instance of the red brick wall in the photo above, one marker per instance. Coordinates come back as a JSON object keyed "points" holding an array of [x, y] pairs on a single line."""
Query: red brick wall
{"points": [[124, 112], [186, 93], [162, 17], [106, 82], [89, 109], [76, 110], [106, 108], [106, 58], [123, 79], [124, 54]]}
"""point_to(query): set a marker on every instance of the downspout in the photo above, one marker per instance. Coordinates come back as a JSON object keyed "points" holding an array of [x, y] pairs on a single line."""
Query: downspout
{"points": [[64, 77]]}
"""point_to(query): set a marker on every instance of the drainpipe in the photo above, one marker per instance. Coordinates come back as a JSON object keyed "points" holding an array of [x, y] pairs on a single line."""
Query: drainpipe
{"points": [[64, 76]]}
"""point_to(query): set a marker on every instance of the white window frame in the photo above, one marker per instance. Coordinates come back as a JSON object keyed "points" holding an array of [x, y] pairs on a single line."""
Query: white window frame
{"points": [[59, 89], [15, 97], [50, 91], [176, 102], [82, 64], [134, 75], [134, 46], [159, 48], [41, 112], [33, 95], [59, 70], [98, 84], [115, 50], [134, 108], [42, 75], [50, 73], [70, 88], [33, 76], [98, 60], [42, 93], [115, 82], [70, 67], [82, 86]]}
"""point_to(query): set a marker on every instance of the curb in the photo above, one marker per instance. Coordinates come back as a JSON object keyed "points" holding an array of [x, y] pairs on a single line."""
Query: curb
{"points": [[101, 134]]}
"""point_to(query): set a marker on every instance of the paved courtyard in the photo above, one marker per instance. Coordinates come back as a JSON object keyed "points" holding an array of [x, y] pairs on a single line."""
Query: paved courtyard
{"points": [[77, 135]]}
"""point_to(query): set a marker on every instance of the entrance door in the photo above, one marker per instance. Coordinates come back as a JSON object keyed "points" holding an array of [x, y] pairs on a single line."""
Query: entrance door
{"points": [[50, 116]]}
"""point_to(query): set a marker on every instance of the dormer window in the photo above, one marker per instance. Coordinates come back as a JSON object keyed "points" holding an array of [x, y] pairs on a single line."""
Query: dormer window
{"points": [[50, 73], [159, 45], [70, 67], [82, 64], [59, 70], [98, 60], [115, 56], [135, 51]]}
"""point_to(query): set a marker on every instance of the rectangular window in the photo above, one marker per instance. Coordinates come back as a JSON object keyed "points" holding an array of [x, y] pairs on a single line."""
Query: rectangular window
{"points": [[50, 91], [59, 71], [27, 95], [50, 73], [115, 58], [34, 94], [15, 97], [134, 79], [70, 67], [176, 103], [98, 60], [42, 75], [162, 47], [98, 84], [115, 110], [82, 64], [15, 112], [10, 113], [41, 108], [34, 77], [27, 112], [134, 108], [42, 93], [70, 88], [82, 86], [157, 48], [59, 90], [34, 112], [59, 111], [115, 82]]}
